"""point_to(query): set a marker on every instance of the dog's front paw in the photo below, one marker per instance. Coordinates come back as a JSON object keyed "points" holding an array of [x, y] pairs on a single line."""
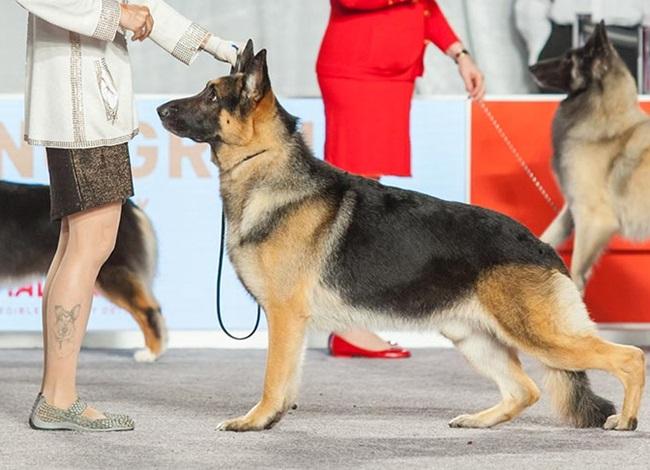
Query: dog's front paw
{"points": [[616, 423], [145, 355], [241, 424], [251, 422], [467, 421]]}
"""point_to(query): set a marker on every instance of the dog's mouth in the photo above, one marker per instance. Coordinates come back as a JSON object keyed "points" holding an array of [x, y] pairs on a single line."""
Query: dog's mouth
{"points": [[547, 76], [538, 81], [539, 74]]}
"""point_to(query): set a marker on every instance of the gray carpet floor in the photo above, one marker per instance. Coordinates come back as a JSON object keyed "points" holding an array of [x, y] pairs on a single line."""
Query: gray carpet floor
{"points": [[352, 414]]}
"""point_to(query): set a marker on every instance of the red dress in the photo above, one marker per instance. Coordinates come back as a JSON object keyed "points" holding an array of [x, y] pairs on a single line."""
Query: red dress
{"points": [[369, 59]]}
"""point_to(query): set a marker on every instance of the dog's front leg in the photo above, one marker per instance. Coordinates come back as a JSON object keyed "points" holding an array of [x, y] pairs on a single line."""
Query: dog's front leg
{"points": [[286, 334], [560, 228], [593, 231]]}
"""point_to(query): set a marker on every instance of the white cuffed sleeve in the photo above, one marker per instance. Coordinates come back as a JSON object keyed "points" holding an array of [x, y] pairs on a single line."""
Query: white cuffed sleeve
{"points": [[173, 32], [94, 18]]}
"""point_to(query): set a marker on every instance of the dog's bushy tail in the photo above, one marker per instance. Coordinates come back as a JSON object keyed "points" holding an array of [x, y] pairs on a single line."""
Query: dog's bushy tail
{"points": [[574, 400]]}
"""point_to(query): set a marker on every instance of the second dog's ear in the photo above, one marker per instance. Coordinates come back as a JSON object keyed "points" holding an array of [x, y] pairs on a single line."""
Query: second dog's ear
{"points": [[244, 58], [257, 82], [598, 41]]}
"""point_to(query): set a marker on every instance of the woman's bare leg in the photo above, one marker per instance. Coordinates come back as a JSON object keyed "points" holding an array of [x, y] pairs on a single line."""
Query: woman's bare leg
{"points": [[54, 266], [363, 338], [69, 292]]}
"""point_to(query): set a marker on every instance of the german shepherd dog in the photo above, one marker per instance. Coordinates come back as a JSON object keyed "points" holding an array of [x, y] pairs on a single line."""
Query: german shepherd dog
{"points": [[601, 151], [317, 246], [28, 240]]}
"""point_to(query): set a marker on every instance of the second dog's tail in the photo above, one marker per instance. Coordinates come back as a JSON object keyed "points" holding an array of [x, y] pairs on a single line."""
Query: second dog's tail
{"points": [[574, 400]]}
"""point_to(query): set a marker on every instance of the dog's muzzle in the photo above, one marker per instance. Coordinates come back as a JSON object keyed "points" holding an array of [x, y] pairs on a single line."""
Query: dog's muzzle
{"points": [[166, 110]]}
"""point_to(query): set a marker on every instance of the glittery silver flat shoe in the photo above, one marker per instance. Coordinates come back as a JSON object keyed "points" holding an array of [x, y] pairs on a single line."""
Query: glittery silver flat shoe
{"points": [[47, 417]]}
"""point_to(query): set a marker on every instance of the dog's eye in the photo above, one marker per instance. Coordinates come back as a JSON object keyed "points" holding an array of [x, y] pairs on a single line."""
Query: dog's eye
{"points": [[213, 95]]}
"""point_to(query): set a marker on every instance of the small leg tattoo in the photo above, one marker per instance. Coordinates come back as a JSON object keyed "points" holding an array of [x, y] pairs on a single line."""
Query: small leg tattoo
{"points": [[64, 324]]}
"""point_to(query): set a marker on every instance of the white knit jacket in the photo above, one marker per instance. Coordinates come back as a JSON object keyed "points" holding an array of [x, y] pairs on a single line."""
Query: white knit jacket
{"points": [[79, 91]]}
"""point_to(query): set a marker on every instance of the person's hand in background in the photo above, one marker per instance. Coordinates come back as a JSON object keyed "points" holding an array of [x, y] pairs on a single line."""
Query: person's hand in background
{"points": [[469, 72], [137, 19], [472, 76], [221, 49]]}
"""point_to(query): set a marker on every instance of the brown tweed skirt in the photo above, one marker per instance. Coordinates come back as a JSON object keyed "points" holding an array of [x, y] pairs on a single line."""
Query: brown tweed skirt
{"points": [[81, 179]]}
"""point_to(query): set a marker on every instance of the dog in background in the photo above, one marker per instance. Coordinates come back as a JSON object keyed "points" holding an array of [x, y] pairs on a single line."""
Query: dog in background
{"points": [[28, 240], [318, 246], [601, 151]]}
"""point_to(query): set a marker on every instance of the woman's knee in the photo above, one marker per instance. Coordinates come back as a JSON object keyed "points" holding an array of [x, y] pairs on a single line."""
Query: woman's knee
{"points": [[93, 237], [105, 245], [92, 248]]}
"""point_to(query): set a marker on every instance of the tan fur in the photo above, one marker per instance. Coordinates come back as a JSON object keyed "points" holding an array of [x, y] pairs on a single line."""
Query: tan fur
{"points": [[138, 304], [281, 271], [627, 363], [293, 253], [538, 316], [558, 384], [285, 265], [256, 129], [287, 323], [532, 304], [518, 391], [604, 170]]}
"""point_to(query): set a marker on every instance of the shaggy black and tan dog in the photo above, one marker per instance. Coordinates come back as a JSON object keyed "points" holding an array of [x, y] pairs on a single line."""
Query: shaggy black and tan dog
{"points": [[28, 241], [601, 151], [317, 246]]}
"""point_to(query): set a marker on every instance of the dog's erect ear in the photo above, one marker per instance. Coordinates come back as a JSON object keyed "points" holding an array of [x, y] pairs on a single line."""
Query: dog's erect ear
{"points": [[244, 58], [257, 82], [598, 41]]}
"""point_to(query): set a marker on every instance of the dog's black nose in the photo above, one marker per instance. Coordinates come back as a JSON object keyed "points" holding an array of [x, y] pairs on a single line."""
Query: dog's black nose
{"points": [[165, 110]]}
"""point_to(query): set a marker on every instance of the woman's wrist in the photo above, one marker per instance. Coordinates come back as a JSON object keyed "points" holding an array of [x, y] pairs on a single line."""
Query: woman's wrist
{"points": [[456, 51], [204, 43]]}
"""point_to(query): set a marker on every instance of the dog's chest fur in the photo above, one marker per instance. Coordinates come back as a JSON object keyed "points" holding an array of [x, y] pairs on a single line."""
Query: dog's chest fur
{"points": [[582, 165], [602, 159], [590, 141], [276, 238]]}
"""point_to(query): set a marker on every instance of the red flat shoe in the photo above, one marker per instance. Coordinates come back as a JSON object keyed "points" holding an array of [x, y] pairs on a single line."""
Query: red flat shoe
{"points": [[339, 347]]}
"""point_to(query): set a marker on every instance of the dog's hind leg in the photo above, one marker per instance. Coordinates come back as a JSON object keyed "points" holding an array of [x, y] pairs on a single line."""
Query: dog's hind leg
{"points": [[569, 384], [500, 363], [132, 293], [540, 312], [560, 228], [287, 323], [593, 231]]}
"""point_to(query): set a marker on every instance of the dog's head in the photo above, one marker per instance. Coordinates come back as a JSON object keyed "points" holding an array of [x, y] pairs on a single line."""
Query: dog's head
{"points": [[580, 68], [224, 112]]}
